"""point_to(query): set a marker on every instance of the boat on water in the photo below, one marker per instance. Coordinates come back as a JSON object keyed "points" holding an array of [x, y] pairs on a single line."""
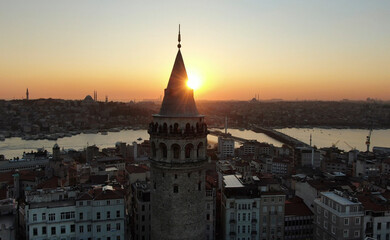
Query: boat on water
{"points": [[2, 138], [139, 139], [103, 133]]}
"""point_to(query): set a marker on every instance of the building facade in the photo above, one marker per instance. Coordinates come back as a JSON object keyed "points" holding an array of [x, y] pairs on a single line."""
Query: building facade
{"points": [[338, 216], [66, 214]]}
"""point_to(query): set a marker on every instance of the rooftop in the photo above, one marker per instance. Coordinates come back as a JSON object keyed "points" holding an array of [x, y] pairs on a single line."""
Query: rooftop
{"points": [[339, 199]]}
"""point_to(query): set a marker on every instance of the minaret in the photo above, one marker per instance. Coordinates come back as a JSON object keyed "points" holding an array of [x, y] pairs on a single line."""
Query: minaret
{"points": [[27, 94], [178, 137]]}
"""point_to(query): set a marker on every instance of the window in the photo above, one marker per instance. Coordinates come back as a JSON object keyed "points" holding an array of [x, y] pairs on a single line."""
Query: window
{"points": [[89, 228], [108, 202], [244, 217], [67, 215], [118, 226], [81, 203], [357, 234], [81, 229], [43, 230], [243, 229], [98, 215], [63, 229], [34, 217], [53, 230], [326, 213], [175, 189], [52, 217], [108, 227], [334, 218], [108, 214], [346, 221], [118, 237], [81, 216], [98, 228], [118, 214], [357, 221], [35, 231], [345, 233], [333, 230], [318, 209], [207, 216], [72, 228], [379, 226], [325, 224], [43, 216]]}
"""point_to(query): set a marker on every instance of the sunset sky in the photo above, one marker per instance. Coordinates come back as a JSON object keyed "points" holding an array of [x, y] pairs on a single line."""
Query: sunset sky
{"points": [[325, 50]]}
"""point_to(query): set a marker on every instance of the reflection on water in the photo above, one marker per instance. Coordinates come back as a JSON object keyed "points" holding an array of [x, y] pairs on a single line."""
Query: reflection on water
{"points": [[345, 139], [14, 147]]}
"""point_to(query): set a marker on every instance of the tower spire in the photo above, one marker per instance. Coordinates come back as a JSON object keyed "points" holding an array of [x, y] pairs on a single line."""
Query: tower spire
{"points": [[179, 39]]}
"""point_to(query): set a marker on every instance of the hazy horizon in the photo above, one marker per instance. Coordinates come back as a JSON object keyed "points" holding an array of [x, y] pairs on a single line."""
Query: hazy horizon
{"points": [[317, 50]]}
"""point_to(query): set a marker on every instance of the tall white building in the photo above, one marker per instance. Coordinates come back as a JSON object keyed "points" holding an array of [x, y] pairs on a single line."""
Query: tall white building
{"points": [[337, 216], [225, 147], [64, 213], [253, 211]]}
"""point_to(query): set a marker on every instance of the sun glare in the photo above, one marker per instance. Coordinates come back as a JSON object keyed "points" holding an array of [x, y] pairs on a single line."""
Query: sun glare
{"points": [[193, 82]]}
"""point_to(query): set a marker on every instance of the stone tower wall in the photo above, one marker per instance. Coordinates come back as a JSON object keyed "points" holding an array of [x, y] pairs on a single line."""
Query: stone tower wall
{"points": [[178, 178]]}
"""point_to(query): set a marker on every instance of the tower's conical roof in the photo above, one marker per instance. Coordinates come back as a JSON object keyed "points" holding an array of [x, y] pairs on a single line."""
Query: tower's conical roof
{"points": [[178, 98]]}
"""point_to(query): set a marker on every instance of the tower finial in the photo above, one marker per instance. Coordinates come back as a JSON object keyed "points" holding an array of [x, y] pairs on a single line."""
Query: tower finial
{"points": [[179, 39]]}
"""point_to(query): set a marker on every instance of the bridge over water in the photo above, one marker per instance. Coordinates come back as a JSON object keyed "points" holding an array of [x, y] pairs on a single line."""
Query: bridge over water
{"points": [[281, 137]]}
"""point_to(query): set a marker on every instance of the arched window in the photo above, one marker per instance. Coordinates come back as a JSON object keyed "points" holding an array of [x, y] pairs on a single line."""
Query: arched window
{"points": [[188, 128], [153, 149], [163, 149], [199, 150], [176, 151], [176, 128], [189, 148], [165, 128]]}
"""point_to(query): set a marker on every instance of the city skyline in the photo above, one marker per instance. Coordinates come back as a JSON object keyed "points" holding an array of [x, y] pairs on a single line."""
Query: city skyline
{"points": [[279, 50]]}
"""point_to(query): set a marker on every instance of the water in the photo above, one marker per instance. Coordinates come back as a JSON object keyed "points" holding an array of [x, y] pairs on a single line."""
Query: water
{"points": [[345, 139], [14, 147]]}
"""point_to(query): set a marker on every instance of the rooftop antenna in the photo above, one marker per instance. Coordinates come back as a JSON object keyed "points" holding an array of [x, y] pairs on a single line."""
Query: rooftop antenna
{"points": [[226, 124], [179, 39]]}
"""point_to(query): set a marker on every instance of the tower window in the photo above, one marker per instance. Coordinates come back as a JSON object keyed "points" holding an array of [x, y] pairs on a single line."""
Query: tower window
{"points": [[175, 176], [176, 151], [199, 185], [189, 148], [163, 149], [175, 189]]}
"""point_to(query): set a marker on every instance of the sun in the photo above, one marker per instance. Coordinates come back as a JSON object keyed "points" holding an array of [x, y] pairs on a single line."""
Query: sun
{"points": [[193, 82]]}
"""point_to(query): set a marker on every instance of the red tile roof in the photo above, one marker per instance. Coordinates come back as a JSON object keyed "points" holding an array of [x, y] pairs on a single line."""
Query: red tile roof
{"points": [[296, 207], [137, 168]]}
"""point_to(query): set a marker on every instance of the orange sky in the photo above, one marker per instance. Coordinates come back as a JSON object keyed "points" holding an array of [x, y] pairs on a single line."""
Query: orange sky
{"points": [[279, 49]]}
